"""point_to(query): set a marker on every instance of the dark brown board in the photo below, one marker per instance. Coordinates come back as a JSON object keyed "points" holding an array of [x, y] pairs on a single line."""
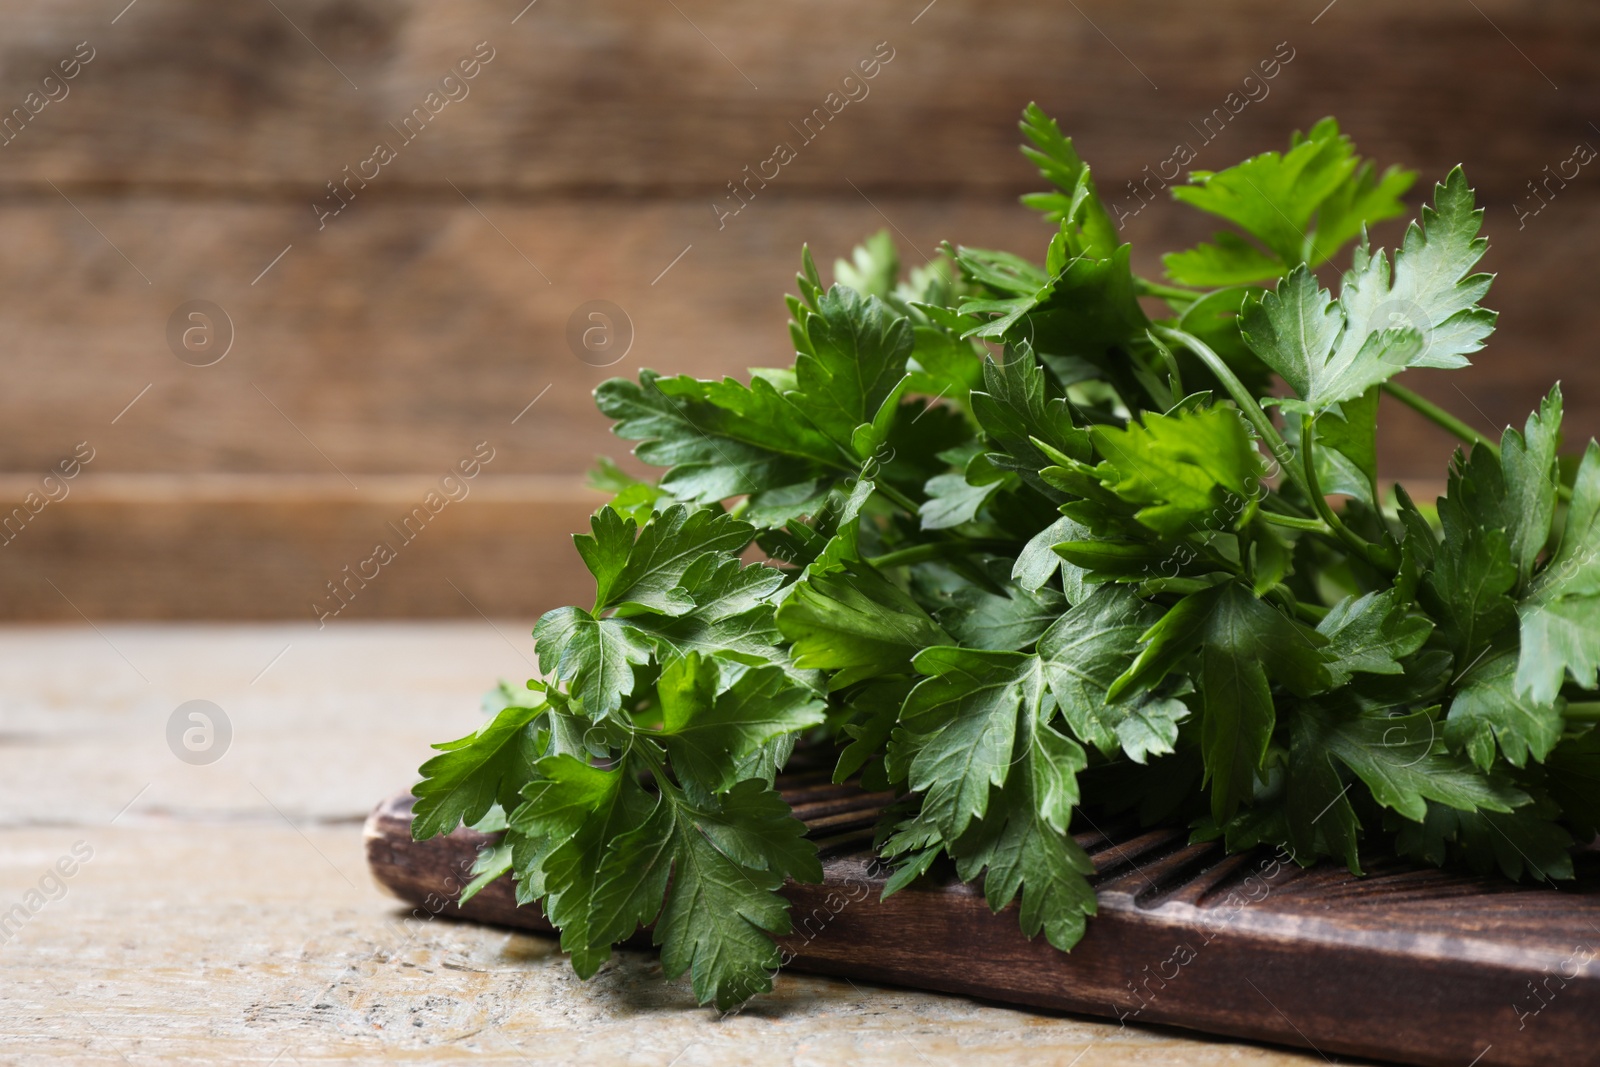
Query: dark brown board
{"points": [[1410, 965]]}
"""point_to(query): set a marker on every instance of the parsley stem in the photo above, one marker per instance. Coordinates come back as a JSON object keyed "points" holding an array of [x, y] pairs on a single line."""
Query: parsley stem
{"points": [[1145, 287], [1170, 363], [924, 552], [1581, 711], [1312, 613], [899, 499], [1241, 396], [1294, 522], [1376, 556], [1440, 417], [955, 550]]}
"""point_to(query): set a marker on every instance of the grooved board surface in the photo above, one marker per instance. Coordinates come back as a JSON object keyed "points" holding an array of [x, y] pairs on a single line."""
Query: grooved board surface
{"points": [[1412, 965]]}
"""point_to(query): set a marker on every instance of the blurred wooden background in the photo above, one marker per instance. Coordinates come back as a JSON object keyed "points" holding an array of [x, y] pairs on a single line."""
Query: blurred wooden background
{"points": [[370, 355]]}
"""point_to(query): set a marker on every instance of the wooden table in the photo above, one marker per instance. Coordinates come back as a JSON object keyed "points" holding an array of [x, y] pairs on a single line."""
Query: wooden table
{"points": [[224, 913]]}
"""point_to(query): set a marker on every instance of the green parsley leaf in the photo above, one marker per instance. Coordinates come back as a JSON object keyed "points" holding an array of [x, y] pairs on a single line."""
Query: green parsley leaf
{"points": [[473, 774], [1076, 201], [574, 812], [1038, 562], [1560, 616], [1019, 416], [708, 877], [1426, 316], [645, 574], [1486, 699], [1084, 653], [1520, 842], [957, 727], [1403, 760], [707, 734], [978, 618], [858, 353], [1193, 471], [1030, 856], [856, 624], [1371, 634], [593, 657], [1275, 198]]}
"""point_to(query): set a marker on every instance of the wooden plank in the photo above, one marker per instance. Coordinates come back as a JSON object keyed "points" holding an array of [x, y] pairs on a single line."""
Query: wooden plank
{"points": [[275, 100], [264, 547], [394, 343], [1416, 966], [397, 340], [225, 916], [320, 721], [208, 942]]}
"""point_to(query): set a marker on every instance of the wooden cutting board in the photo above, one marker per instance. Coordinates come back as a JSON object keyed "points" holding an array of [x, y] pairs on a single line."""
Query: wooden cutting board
{"points": [[1413, 965]]}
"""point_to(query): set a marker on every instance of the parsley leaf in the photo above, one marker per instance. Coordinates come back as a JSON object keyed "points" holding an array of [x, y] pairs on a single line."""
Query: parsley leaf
{"points": [[1192, 471], [1488, 710], [957, 727], [473, 774], [644, 574], [1560, 616], [1084, 653], [1403, 760], [857, 355], [1075, 199], [594, 657], [704, 875], [1302, 205], [1427, 315], [706, 734], [856, 624]]}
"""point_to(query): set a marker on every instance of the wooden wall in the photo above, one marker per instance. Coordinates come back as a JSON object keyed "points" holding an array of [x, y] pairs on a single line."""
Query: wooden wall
{"points": [[373, 349]]}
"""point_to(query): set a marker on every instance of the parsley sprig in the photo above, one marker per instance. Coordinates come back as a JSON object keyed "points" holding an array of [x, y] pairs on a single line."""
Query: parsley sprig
{"points": [[1026, 543]]}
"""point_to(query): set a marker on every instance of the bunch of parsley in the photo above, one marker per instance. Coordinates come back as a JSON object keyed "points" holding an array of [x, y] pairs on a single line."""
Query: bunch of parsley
{"points": [[1029, 552]]}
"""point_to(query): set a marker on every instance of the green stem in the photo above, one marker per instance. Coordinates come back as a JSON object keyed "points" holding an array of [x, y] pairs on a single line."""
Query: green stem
{"points": [[1285, 507], [1241, 396], [1448, 422], [1378, 557], [1145, 287], [1170, 362], [1312, 613], [1294, 523], [1582, 711], [928, 550], [1440, 417], [915, 554], [898, 498]]}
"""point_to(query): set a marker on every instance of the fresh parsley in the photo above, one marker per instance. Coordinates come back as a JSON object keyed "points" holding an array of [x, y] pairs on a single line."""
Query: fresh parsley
{"points": [[1018, 541]]}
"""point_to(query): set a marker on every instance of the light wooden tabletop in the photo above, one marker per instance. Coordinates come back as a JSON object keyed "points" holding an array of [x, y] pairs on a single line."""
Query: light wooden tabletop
{"points": [[158, 909]]}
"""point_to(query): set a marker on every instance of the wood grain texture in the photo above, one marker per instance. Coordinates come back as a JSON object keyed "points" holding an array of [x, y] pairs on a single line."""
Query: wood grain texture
{"points": [[1416, 966], [225, 915], [268, 547], [629, 95], [184, 158], [395, 343]]}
